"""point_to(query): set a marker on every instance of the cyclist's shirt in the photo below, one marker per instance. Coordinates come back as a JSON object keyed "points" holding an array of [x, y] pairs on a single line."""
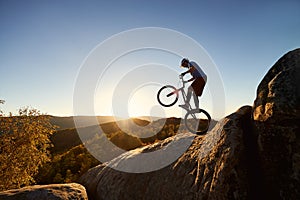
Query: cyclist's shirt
{"points": [[197, 73]]}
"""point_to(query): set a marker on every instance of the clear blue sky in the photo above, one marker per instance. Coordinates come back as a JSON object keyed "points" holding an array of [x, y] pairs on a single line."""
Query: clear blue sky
{"points": [[43, 43]]}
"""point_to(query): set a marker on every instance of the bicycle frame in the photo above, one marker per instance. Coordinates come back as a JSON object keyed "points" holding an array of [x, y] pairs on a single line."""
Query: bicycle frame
{"points": [[183, 93]]}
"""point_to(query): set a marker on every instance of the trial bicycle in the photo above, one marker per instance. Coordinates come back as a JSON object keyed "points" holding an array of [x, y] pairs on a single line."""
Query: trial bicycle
{"points": [[196, 120]]}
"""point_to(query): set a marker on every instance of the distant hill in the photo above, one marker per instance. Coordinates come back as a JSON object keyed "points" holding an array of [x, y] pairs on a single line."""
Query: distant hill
{"points": [[148, 118], [122, 132], [66, 138], [68, 122]]}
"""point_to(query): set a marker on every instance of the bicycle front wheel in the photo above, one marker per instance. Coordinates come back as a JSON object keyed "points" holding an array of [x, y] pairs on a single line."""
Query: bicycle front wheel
{"points": [[167, 96], [197, 121]]}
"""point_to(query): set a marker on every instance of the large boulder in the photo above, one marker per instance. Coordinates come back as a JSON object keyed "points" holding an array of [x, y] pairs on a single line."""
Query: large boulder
{"points": [[276, 117], [49, 192], [213, 167]]}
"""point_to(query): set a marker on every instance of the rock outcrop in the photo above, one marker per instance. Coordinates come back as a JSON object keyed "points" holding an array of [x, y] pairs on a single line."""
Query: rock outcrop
{"points": [[49, 192], [276, 114], [207, 170], [253, 153]]}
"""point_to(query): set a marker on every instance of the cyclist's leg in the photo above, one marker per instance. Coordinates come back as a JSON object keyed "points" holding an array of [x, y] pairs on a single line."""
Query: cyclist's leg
{"points": [[196, 100], [189, 94], [198, 86]]}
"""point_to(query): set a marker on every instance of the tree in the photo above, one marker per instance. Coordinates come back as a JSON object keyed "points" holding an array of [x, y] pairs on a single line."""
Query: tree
{"points": [[24, 143], [58, 178], [1, 102], [69, 176]]}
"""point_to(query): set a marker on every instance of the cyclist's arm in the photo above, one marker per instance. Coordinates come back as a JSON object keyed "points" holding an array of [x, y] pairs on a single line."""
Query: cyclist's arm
{"points": [[191, 79], [189, 71], [184, 73]]}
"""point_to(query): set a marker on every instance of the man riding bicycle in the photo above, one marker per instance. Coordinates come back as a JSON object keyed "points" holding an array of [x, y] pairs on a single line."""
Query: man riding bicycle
{"points": [[199, 79]]}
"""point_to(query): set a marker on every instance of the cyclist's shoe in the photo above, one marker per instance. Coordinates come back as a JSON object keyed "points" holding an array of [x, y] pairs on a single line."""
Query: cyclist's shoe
{"points": [[184, 106]]}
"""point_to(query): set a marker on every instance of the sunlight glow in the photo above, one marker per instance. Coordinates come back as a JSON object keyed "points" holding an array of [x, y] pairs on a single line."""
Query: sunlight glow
{"points": [[142, 101]]}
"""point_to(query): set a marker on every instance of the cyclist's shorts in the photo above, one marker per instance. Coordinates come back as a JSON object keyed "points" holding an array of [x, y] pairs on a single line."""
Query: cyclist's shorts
{"points": [[198, 86]]}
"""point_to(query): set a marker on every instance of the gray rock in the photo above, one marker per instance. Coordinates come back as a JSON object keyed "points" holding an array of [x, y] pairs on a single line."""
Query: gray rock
{"points": [[276, 117], [49, 192], [212, 168]]}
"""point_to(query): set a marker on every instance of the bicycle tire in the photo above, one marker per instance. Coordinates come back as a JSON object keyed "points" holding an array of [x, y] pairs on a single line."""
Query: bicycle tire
{"points": [[197, 126], [168, 89]]}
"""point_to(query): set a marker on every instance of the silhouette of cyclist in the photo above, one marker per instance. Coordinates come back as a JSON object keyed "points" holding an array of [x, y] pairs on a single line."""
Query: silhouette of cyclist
{"points": [[199, 79]]}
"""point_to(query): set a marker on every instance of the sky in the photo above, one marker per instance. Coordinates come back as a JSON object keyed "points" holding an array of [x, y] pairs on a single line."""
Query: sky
{"points": [[43, 45]]}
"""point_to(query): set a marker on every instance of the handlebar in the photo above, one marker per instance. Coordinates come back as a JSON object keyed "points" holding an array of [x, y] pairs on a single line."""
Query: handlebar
{"points": [[181, 78]]}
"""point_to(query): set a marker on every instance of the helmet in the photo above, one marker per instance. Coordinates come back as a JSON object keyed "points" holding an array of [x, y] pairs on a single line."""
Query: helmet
{"points": [[183, 61]]}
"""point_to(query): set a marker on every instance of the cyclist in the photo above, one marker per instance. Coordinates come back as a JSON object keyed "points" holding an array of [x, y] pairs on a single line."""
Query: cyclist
{"points": [[199, 79]]}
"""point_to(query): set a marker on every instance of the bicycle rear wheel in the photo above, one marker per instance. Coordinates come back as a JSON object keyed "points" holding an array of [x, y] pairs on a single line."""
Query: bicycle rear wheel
{"points": [[167, 95], [197, 121]]}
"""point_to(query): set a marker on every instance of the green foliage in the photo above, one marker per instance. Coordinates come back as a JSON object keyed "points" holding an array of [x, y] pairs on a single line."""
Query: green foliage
{"points": [[125, 141], [24, 143], [66, 167]]}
